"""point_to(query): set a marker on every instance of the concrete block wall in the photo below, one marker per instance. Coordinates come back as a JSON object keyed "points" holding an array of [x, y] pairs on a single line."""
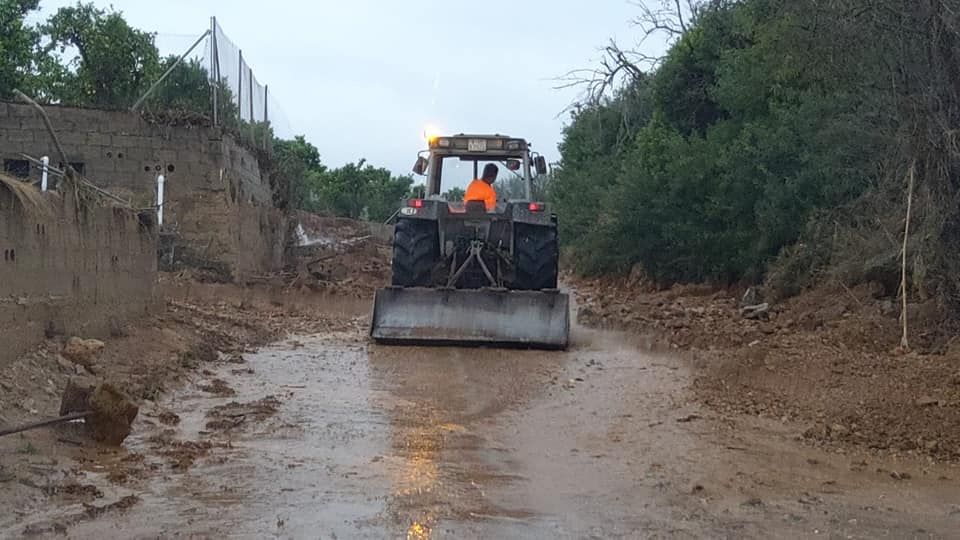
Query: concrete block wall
{"points": [[214, 187], [71, 270]]}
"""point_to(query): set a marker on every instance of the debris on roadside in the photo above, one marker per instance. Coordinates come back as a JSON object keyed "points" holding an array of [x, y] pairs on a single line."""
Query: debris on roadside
{"points": [[106, 412], [84, 352], [234, 414], [753, 312]]}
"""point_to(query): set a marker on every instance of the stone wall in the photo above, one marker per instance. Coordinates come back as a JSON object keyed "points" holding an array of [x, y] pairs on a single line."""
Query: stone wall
{"points": [[70, 270], [218, 205]]}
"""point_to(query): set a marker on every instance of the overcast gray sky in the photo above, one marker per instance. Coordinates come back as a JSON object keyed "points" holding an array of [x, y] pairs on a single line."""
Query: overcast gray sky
{"points": [[362, 78]]}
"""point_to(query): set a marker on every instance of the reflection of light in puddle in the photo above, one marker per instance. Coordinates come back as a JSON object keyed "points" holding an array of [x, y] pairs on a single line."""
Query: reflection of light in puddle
{"points": [[418, 531], [420, 475], [420, 472]]}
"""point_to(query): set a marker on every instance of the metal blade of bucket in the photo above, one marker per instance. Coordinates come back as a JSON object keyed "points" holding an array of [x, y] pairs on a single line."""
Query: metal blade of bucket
{"points": [[458, 317]]}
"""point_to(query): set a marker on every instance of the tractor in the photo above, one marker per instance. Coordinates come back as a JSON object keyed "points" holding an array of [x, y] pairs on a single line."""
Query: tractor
{"points": [[464, 274]]}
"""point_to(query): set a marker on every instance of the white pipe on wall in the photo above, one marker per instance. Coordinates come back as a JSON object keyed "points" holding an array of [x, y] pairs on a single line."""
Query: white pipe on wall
{"points": [[160, 182], [45, 160]]}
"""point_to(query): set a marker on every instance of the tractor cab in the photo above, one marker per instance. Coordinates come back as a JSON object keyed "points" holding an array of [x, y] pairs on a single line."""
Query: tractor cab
{"points": [[441, 162]]}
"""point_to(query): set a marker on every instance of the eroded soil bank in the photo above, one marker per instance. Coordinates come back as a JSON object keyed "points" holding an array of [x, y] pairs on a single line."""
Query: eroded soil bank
{"points": [[826, 364]]}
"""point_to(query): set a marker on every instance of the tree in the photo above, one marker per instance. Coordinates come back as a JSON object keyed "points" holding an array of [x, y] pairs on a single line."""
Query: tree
{"points": [[17, 43], [772, 142], [296, 170], [114, 63], [454, 194]]}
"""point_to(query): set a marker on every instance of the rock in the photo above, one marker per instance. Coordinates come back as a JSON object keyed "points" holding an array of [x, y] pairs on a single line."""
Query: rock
{"points": [[927, 401], [117, 328], [83, 351], [113, 415], [899, 475], [53, 329], [65, 364], [76, 397], [839, 430]]}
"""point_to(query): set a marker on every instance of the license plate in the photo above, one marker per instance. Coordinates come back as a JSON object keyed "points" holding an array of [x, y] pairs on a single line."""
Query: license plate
{"points": [[477, 145]]}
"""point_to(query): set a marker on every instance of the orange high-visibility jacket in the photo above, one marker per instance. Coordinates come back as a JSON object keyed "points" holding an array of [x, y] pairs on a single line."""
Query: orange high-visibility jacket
{"points": [[478, 190]]}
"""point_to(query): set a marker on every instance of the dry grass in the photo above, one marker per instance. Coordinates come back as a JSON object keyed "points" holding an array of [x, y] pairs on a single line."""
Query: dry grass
{"points": [[30, 198]]}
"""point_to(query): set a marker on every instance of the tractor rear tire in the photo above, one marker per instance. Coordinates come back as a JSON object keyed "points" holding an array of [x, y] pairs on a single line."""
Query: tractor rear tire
{"points": [[416, 251], [537, 257]]}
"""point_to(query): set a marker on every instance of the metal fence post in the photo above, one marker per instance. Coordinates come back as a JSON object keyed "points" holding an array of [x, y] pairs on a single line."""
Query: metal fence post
{"points": [[266, 118], [240, 92], [253, 135], [214, 71]]}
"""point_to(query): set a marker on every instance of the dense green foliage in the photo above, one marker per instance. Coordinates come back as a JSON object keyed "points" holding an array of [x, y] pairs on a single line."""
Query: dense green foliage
{"points": [[455, 194], [114, 63], [766, 121], [356, 190], [17, 44]]}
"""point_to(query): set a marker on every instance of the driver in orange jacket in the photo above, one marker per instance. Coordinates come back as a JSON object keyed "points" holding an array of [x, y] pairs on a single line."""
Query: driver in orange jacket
{"points": [[481, 189]]}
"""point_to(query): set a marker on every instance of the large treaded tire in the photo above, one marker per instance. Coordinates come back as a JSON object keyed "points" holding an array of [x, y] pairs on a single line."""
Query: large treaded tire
{"points": [[537, 257], [416, 250]]}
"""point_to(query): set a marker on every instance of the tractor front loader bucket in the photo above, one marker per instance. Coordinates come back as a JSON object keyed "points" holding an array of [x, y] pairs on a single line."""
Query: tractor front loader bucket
{"points": [[527, 319]]}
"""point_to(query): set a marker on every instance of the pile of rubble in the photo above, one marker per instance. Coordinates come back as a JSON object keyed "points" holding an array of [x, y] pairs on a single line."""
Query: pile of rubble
{"points": [[338, 255]]}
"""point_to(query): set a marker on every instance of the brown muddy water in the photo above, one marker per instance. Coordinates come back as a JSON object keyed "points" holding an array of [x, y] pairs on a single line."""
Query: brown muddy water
{"points": [[601, 441]]}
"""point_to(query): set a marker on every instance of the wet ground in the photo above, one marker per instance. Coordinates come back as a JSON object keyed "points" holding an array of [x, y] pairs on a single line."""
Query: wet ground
{"points": [[356, 440]]}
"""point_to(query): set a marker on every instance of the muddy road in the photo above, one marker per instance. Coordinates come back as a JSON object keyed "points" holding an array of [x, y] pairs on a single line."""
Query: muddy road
{"points": [[328, 436]]}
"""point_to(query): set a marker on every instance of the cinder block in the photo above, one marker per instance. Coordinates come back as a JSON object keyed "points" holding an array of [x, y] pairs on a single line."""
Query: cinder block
{"points": [[123, 141], [21, 110], [78, 138], [98, 139], [20, 135]]}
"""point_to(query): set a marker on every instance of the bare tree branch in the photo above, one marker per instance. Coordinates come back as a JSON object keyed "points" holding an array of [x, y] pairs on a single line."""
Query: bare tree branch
{"points": [[618, 66]]}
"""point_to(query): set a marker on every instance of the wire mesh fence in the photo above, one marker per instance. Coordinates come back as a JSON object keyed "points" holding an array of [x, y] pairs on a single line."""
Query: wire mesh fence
{"points": [[207, 77]]}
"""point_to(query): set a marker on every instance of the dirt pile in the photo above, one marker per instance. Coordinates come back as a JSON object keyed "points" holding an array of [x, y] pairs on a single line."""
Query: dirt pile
{"points": [[338, 256], [825, 362]]}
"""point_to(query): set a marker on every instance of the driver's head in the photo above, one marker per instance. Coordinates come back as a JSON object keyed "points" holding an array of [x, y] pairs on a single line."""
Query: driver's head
{"points": [[490, 173]]}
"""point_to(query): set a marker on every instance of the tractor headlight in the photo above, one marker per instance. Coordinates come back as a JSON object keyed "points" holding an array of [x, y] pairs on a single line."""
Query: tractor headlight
{"points": [[444, 143], [513, 145]]}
